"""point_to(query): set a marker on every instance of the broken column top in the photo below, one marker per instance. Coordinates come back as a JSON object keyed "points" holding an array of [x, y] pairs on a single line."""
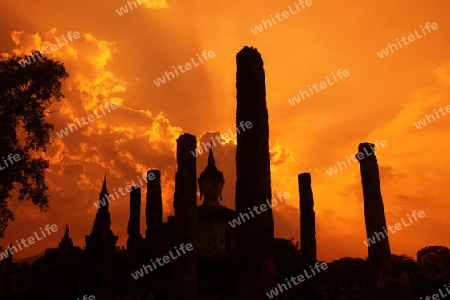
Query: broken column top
{"points": [[185, 136], [365, 145], [156, 181], [250, 55], [368, 150], [305, 177], [185, 144], [156, 172]]}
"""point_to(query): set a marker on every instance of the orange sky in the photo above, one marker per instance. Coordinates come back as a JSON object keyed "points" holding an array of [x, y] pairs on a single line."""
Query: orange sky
{"points": [[118, 57]]}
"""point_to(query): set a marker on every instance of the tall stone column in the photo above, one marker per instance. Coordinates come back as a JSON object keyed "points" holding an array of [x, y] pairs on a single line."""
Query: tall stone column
{"points": [[254, 237], [307, 219], [379, 253], [134, 242], [308, 234], [184, 268], [154, 239], [134, 230], [154, 206]]}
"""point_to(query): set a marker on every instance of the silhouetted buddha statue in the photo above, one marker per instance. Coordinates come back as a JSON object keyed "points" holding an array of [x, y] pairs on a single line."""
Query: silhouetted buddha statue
{"points": [[216, 237]]}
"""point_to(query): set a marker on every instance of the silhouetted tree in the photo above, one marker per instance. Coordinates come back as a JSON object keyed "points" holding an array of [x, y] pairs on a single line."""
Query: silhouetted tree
{"points": [[410, 266], [442, 251], [347, 272], [407, 264], [25, 95], [287, 258]]}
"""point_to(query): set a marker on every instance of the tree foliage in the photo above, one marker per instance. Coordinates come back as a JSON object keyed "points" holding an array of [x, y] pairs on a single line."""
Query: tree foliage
{"points": [[287, 258], [25, 95], [442, 251]]}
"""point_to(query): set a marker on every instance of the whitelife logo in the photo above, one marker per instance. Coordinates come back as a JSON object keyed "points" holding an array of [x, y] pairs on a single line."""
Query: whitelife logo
{"points": [[154, 4], [323, 85], [398, 226], [102, 202], [31, 241], [85, 297], [423, 123], [166, 259], [27, 61], [63, 132], [274, 292], [204, 147], [437, 296], [360, 156], [284, 15], [188, 66], [411, 38], [10, 158], [263, 207]]}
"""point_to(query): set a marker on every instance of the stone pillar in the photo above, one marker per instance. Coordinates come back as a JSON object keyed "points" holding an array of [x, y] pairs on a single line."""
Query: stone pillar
{"points": [[134, 242], [307, 219], [379, 253], [308, 234], [154, 206], [184, 268], [154, 240], [254, 237], [134, 230]]}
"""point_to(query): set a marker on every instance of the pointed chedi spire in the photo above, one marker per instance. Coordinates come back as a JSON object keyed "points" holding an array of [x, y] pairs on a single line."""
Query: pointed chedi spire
{"points": [[66, 231], [103, 197], [211, 160], [102, 220], [104, 190], [66, 242], [100, 243]]}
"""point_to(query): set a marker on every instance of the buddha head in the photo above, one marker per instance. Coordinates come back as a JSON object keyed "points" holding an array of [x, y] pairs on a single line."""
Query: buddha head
{"points": [[211, 181]]}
